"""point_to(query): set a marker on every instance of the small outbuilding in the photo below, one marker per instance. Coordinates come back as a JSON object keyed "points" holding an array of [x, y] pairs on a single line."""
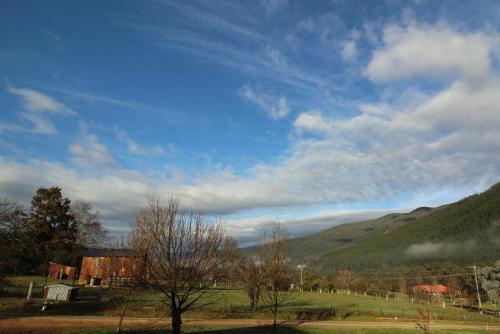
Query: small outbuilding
{"points": [[61, 271], [60, 292], [434, 289]]}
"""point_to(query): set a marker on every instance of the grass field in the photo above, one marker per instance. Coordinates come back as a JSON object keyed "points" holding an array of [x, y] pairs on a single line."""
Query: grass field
{"points": [[233, 304]]}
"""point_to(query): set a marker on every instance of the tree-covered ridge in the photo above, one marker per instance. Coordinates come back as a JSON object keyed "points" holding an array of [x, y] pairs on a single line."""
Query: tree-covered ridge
{"points": [[465, 232], [312, 247]]}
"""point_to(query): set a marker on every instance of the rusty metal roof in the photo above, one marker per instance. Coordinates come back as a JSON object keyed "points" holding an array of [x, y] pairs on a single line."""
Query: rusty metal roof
{"points": [[107, 252]]}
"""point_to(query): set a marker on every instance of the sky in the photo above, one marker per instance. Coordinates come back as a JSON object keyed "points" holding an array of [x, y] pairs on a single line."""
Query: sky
{"points": [[312, 113]]}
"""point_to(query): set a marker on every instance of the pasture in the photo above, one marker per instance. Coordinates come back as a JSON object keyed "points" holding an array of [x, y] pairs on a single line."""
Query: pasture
{"points": [[233, 304]]}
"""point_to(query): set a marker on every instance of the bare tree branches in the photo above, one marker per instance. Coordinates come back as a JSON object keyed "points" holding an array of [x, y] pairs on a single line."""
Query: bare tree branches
{"points": [[10, 213], [252, 278], [89, 229], [275, 267], [181, 254]]}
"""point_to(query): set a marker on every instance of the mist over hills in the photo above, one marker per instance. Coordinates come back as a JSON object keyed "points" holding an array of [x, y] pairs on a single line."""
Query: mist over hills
{"points": [[464, 232]]}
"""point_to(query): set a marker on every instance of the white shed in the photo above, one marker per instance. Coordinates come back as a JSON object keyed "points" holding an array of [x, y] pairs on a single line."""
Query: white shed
{"points": [[60, 292]]}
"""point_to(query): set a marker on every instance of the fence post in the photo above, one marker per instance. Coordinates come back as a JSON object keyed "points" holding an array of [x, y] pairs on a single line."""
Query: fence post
{"points": [[30, 291]]}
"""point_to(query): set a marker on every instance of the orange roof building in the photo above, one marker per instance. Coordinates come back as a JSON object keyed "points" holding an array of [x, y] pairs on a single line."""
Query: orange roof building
{"points": [[435, 289]]}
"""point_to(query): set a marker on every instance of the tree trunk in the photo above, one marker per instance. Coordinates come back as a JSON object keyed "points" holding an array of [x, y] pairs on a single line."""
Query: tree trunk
{"points": [[256, 303], [176, 320], [275, 314], [119, 328]]}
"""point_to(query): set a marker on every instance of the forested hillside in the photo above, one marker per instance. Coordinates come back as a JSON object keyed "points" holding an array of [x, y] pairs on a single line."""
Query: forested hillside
{"points": [[464, 232], [310, 248]]}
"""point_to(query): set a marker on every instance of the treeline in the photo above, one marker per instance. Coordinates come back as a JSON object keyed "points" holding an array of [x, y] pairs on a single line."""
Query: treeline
{"points": [[402, 280], [460, 280], [52, 229]]}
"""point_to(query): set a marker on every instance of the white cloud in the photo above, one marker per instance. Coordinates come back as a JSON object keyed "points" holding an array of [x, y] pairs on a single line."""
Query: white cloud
{"points": [[434, 249], [349, 51], [40, 124], [446, 139], [89, 152], [458, 111], [166, 114], [136, 148], [433, 51], [118, 193], [276, 107], [34, 101], [247, 230], [312, 121], [271, 6], [245, 47], [276, 57], [36, 109]]}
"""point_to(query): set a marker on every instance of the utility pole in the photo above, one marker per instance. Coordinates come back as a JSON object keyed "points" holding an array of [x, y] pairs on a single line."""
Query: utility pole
{"points": [[301, 267], [477, 290]]}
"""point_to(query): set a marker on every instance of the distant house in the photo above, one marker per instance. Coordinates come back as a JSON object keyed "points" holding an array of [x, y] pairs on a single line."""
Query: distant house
{"points": [[434, 289], [106, 266], [61, 271]]}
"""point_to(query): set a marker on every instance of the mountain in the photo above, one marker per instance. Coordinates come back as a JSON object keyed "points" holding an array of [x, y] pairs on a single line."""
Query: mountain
{"points": [[465, 232]]}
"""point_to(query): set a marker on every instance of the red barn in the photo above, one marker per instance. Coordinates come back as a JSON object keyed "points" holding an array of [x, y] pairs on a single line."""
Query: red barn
{"points": [[435, 289], [105, 267], [61, 271]]}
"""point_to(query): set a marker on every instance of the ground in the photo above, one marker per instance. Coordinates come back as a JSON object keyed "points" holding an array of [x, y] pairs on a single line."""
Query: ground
{"points": [[94, 324]]}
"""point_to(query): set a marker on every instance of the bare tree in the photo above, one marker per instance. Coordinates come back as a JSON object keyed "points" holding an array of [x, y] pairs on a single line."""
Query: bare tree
{"points": [[275, 266], [90, 232], [251, 277], [9, 212], [345, 278], [181, 254]]}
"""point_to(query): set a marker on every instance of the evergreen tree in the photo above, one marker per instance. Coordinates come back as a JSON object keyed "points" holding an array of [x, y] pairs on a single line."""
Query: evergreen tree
{"points": [[53, 227]]}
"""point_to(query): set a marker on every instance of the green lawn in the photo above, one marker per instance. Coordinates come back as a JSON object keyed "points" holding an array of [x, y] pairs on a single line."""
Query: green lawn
{"points": [[234, 304]]}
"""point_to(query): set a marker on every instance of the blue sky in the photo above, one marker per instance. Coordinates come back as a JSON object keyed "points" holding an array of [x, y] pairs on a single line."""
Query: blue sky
{"points": [[313, 113]]}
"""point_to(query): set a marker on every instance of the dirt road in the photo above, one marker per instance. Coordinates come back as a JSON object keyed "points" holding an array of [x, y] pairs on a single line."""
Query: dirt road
{"points": [[54, 324]]}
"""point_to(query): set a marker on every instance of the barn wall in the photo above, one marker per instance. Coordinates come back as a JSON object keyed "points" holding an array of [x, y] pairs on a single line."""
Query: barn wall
{"points": [[106, 268], [55, 271]]}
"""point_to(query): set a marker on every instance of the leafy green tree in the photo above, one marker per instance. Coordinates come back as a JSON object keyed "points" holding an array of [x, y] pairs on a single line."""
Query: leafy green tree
{"points": [[490, 281], [53, 227]]}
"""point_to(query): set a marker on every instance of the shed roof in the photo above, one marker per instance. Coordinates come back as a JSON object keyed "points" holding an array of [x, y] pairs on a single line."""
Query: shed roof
{"points": [[61, 286], [97, 252]]}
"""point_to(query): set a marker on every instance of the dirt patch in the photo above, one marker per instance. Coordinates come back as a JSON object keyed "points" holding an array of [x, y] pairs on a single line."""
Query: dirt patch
{"points": [[58, 324]]}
